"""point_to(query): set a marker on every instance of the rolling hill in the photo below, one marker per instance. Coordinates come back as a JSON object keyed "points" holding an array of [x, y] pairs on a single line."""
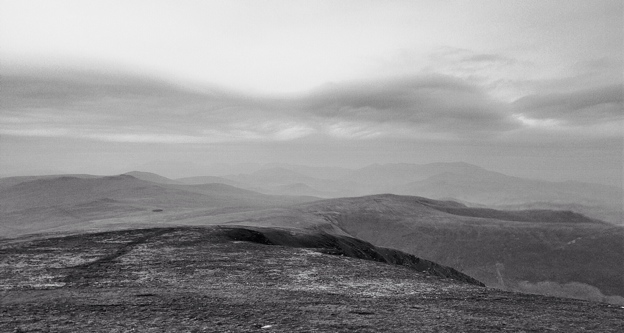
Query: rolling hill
{"points": [[558, 252], [49, 203], [280, 180], [461, 182], [503, 249], [152, 177]]}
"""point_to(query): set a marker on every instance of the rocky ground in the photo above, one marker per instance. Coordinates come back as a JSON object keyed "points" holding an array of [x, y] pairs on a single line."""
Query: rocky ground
{"points": [[212, 280]]}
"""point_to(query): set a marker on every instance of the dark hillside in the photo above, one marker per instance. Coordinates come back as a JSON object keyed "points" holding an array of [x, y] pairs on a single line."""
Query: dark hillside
{"points": [[499, 248], [344, 246]]}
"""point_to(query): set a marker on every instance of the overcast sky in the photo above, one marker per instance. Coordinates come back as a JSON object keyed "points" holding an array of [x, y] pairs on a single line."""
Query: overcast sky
{"points": [[528, 88]]}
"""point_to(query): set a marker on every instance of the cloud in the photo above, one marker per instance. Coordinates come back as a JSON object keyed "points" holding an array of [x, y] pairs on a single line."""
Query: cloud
{"points": [[588, 106], [533, 122], [353, 130], [599, 65], [465, 59], [437, 103], [142, 138], [35, 132], [130, 109], [122, 108], [487, 59], [272, 130], [118, 108], [496, 73]]}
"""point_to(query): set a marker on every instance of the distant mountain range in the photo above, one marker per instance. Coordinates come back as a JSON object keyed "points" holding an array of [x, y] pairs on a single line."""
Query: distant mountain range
{"points": [[461, 182], [537, 250]]}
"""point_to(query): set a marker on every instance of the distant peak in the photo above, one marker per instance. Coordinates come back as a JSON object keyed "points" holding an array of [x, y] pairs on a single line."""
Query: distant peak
{"points": [[150, 177]]}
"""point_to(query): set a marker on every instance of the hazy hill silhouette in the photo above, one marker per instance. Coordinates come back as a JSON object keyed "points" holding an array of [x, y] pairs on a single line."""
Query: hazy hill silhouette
{"points": [[391, 175], [10, 181], [152, 177], [73, 190], [206, 180], [280, 180], [457, 181], [491, 188], [45, 203]]}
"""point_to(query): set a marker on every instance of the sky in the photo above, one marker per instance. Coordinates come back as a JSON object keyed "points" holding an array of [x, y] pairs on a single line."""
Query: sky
{"points": [[528, 88]]}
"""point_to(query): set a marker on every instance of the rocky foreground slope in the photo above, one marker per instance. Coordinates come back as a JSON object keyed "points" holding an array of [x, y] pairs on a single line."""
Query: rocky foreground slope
{"points": [[217, 279]]}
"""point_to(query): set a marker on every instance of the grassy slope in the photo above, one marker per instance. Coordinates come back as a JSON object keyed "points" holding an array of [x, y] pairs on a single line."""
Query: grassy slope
{"points": [[489, 245], [208, 280], [63, 203]]}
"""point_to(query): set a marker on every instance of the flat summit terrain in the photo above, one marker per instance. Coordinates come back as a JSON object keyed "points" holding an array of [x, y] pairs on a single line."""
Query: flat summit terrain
{"points": [[217, 279]]}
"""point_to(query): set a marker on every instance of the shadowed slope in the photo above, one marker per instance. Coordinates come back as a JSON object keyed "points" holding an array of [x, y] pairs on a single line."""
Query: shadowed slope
{"points": [[497, 247], [344, 246]]}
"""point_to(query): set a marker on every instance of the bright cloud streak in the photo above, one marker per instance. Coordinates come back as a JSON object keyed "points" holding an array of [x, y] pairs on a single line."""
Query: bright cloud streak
{"points": [[346, 130], [533, 122]]}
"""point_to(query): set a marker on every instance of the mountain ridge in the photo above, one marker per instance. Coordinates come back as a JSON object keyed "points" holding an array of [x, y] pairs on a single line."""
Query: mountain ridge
{"points": [[507, 249]]}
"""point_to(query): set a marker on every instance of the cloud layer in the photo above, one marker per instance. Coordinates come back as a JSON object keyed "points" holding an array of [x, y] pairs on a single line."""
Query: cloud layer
{"points": [[435, 107], [582, 107], [438, 104]]}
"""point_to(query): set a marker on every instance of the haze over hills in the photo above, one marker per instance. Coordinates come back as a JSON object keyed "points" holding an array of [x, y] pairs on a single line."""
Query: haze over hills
{"points": [[462, 182], [542, 251], [206, 180], [152, 177], [47, 203], [10, 181]]}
